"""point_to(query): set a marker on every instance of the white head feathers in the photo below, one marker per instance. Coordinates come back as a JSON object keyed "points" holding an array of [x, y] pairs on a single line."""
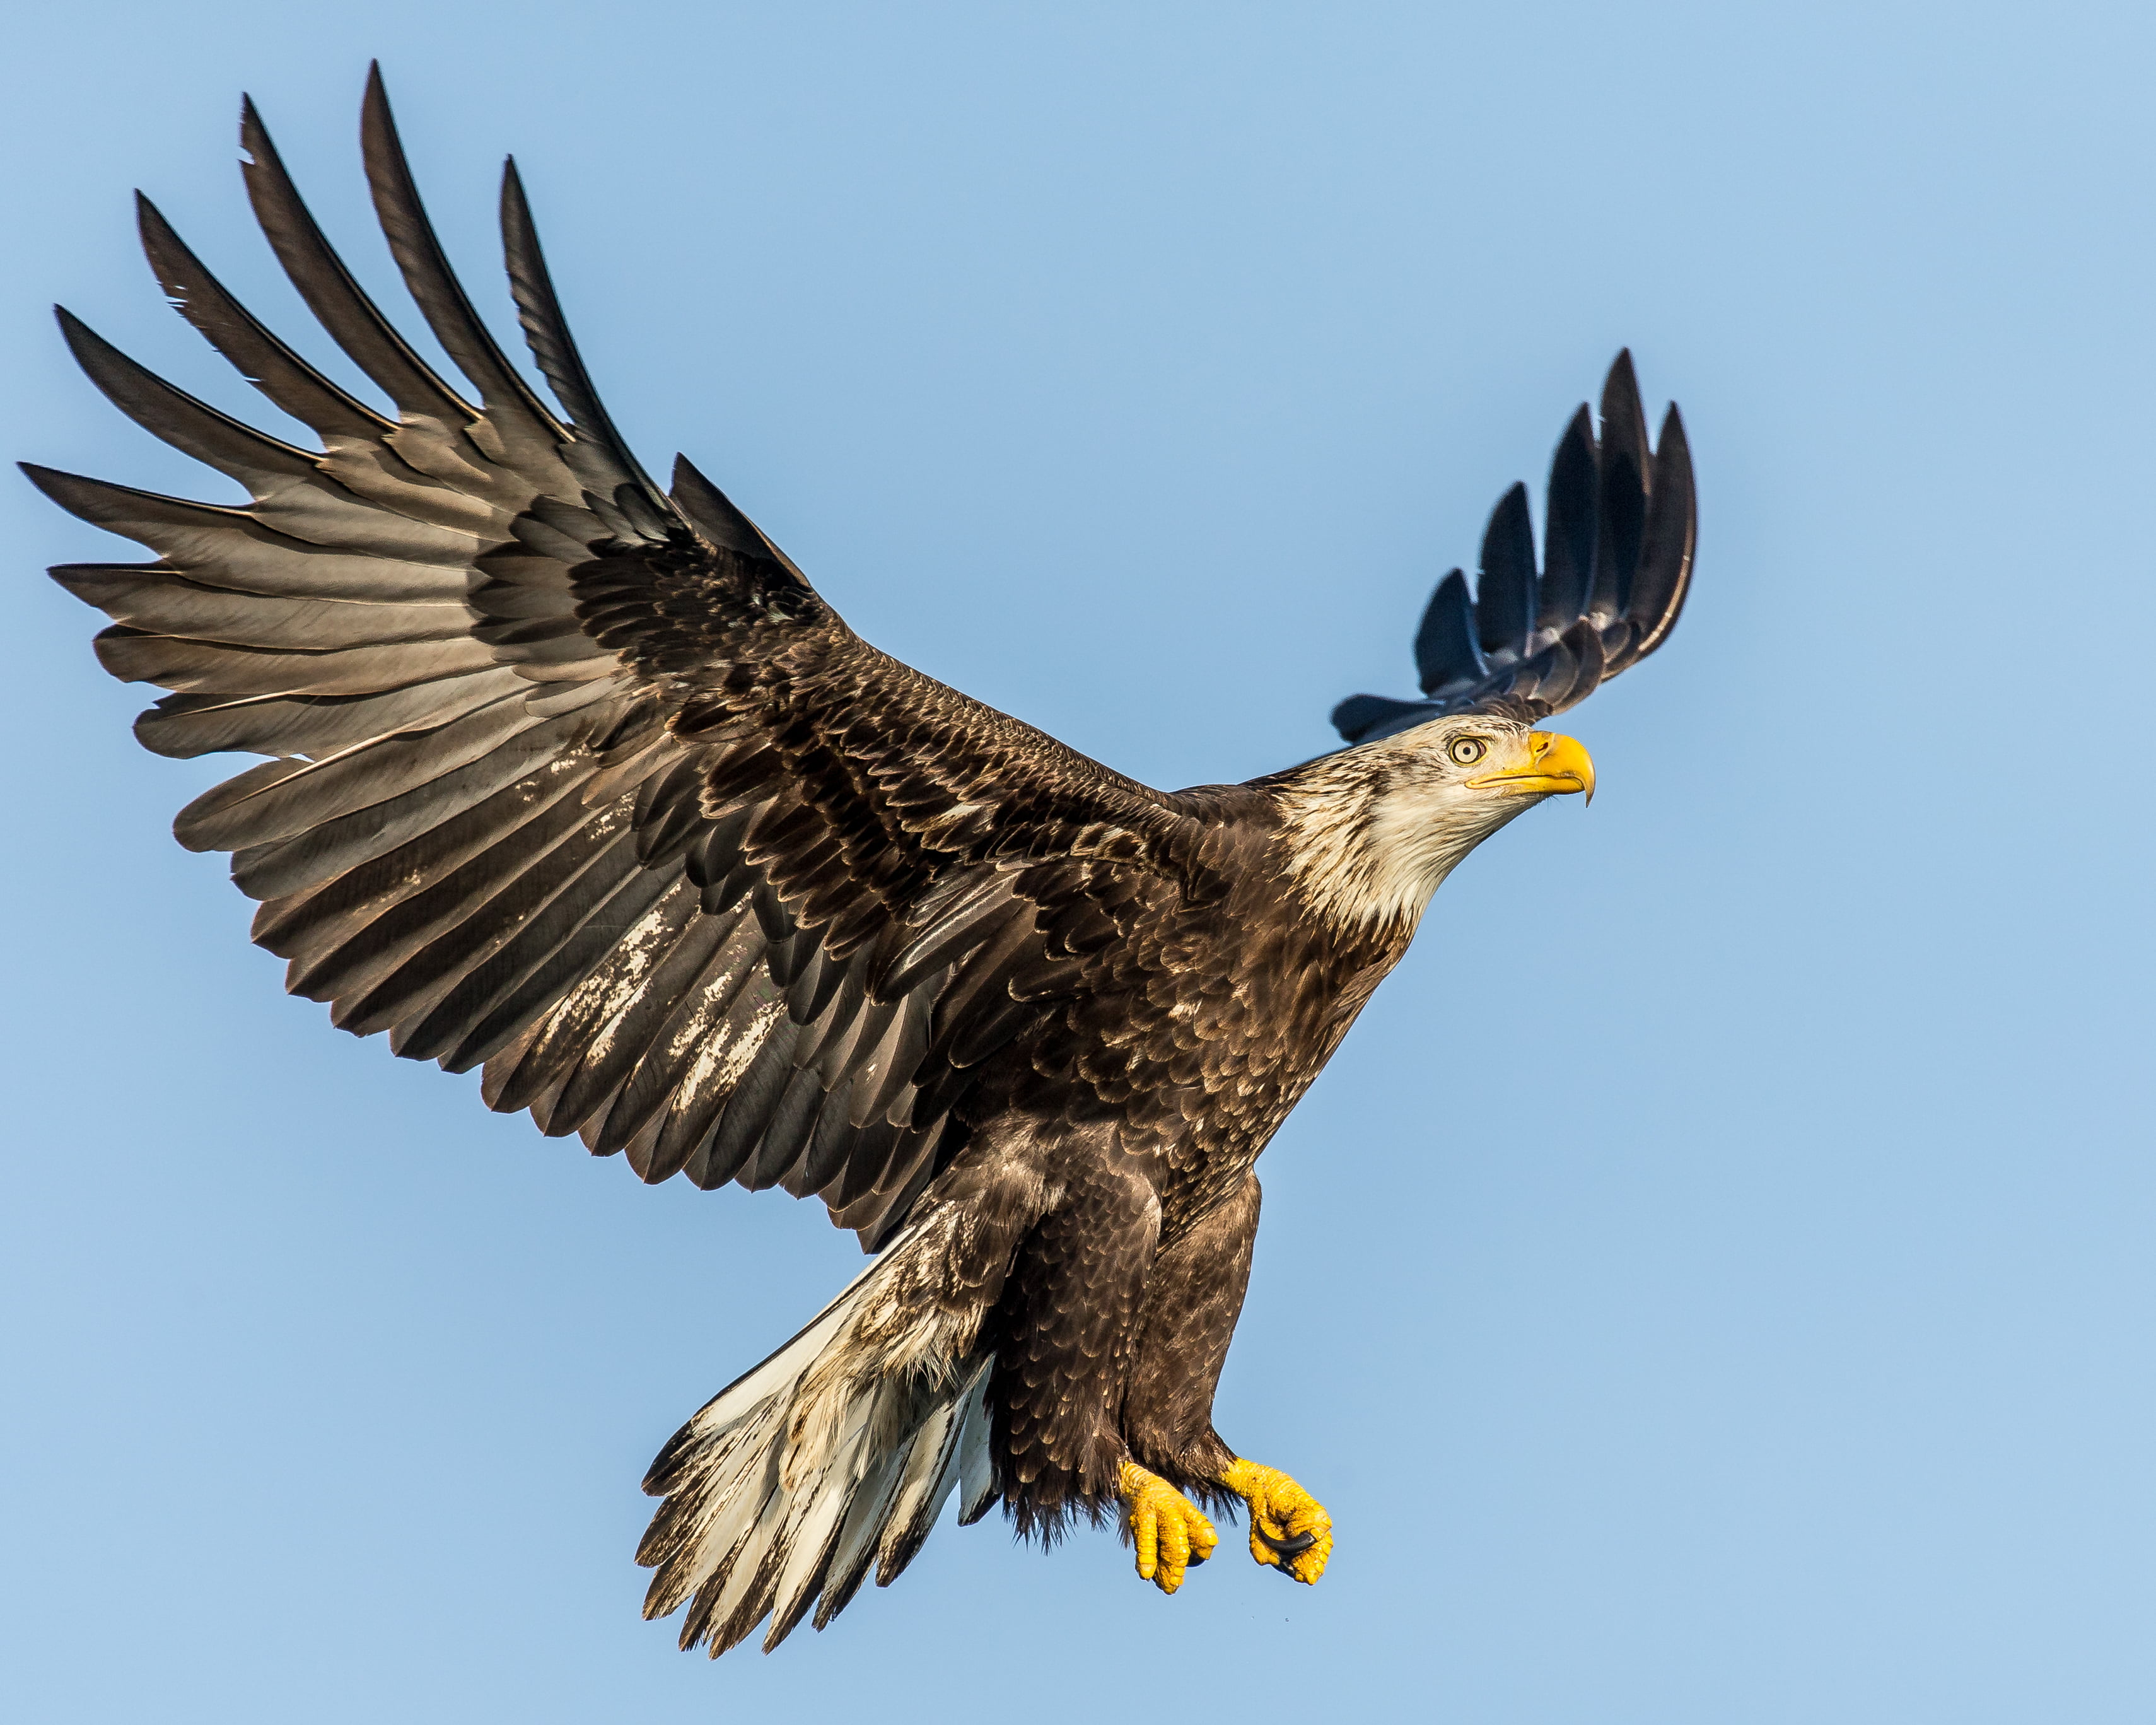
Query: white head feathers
{"points": [[1372, 831]]}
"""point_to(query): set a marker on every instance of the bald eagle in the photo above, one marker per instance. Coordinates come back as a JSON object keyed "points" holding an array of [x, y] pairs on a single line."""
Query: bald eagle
{"points": [[579, 781]]}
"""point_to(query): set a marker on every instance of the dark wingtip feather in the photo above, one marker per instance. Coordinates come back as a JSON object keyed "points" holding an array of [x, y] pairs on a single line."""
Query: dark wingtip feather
{"points": [[89, 348], [1623, 419], [170, 414], [1619, 531], [554, 349], [1569, 524], [425, 266], [68, 489], [1671, 539], [265, 361], [352, 320], [1361, 717], [1621, 515], [1445, 648], [1505, 597], [255, 148]]}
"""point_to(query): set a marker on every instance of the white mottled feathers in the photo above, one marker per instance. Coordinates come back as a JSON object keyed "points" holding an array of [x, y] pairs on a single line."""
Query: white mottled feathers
{"points": [[836, 1456]]}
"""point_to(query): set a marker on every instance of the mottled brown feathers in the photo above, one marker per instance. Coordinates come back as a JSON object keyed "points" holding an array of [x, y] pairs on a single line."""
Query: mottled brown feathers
{"points": [[581, 783], [575, 781]]}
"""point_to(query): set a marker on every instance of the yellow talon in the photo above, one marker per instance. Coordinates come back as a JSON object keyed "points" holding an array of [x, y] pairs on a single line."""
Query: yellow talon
{"points": [[1290, 1530], [1171, 1533]]}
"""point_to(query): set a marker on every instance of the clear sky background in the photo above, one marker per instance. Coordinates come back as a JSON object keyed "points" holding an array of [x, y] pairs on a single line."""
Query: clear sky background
{"points": [[1717, 1280]]}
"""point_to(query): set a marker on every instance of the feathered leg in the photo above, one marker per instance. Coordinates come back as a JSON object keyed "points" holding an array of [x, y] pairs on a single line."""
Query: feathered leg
{"points": [[1192, 1301], [1062, 1334]]}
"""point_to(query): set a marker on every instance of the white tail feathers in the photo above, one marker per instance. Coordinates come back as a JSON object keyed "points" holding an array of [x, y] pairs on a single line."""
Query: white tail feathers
{"points": [[837, 1451]]}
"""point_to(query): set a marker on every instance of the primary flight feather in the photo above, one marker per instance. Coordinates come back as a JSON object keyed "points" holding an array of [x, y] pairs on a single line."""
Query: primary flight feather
{"points": [[580, 781]]}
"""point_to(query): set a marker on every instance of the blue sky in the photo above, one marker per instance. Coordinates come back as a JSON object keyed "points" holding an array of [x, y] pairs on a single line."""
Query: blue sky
{"points": [[1715, 1280]]}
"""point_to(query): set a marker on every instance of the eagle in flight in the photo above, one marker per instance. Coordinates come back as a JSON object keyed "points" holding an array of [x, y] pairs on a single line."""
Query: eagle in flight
{"points": [[579, 781]]}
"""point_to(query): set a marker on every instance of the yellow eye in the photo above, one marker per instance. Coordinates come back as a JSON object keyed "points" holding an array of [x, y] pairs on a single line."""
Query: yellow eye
{"points": [[1467, 750]]}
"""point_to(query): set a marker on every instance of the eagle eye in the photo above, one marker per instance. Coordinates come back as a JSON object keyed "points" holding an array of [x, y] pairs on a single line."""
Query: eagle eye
{"points": [[1467, 750]]}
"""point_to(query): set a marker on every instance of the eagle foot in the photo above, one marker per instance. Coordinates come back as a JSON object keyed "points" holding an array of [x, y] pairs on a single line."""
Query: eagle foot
{"points": [[1171, 1532], [1290, 1530]]}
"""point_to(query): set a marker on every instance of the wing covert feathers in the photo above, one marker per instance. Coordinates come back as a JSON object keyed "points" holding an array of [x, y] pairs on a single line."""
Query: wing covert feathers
{"points": [[567, 779], [1620, 525]]}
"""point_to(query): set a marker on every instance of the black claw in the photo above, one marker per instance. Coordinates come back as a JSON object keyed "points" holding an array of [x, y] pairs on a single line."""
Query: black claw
{"points": [[1289, 1548]]}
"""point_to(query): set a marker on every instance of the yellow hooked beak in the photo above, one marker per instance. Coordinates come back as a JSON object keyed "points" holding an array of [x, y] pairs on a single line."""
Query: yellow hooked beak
{"points": [[1547, 764]]}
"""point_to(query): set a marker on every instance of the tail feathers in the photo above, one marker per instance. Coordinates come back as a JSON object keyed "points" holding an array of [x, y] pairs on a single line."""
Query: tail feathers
{"points": [[788, 1485], [977, 1475]]}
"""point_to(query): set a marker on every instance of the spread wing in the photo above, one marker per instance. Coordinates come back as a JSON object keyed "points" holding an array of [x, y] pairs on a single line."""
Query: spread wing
{"points": [[1620, 525], [569, 776]]}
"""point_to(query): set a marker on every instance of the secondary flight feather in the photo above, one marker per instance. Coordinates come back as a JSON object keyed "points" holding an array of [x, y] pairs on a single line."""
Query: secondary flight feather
{"points": [[579, 780]]}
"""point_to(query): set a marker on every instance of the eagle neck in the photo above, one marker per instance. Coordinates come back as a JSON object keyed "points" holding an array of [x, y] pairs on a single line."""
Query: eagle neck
{"points": [[1357, 866]]}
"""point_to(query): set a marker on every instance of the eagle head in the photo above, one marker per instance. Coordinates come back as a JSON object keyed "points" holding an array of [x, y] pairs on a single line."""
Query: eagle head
{"points": [[1372, 831]]}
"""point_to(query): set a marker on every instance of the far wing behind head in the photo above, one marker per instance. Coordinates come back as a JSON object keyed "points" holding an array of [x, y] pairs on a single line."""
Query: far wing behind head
{"points": [[1620, 527], [569, 778]]}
